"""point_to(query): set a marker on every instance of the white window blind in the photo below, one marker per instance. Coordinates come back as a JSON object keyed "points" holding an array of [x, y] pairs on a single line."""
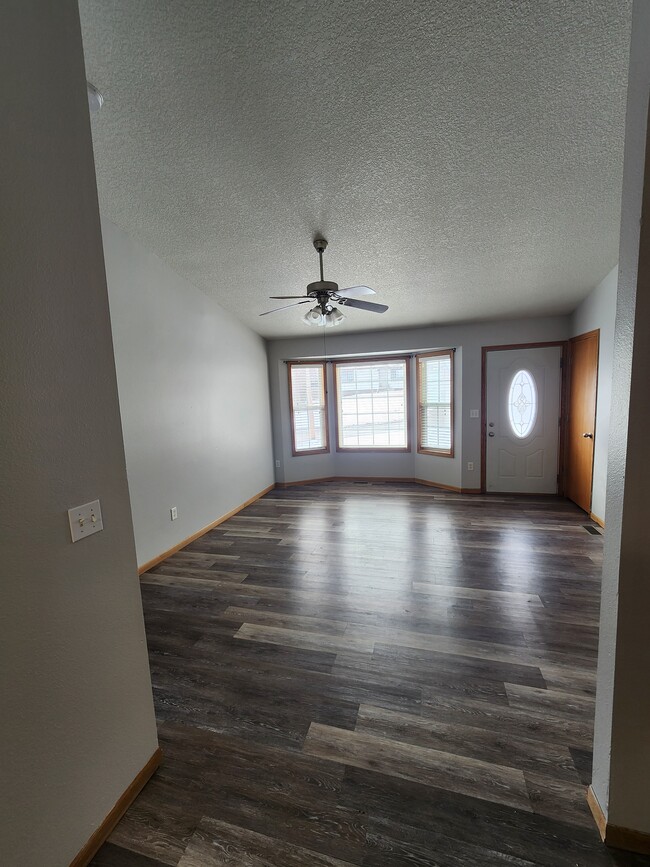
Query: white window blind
{"points": [[308, 407], [371, 402], [435, 402]]}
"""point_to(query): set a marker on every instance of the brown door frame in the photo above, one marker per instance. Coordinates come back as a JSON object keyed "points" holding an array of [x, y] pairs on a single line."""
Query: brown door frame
{"points": [[563, 344]]}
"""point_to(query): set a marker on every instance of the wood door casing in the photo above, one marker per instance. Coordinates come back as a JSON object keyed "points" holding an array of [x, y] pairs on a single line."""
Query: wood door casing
{"points": [[583, 386]]}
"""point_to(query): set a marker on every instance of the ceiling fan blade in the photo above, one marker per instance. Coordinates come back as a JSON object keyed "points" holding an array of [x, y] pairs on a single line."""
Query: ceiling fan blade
{"points": [[355, 291], [364, 305], [286, 306], [283, 297]]}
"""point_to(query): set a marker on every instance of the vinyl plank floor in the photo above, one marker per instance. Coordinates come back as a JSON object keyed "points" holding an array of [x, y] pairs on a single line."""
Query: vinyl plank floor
{"points": [[374, 674], [218, 844]]}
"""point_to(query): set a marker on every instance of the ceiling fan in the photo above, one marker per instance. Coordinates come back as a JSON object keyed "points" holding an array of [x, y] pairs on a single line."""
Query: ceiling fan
{"points": [[323, 292]]}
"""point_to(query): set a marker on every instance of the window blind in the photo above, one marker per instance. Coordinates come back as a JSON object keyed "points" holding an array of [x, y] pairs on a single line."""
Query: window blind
{"points": [[308, 407], [435, 403]]}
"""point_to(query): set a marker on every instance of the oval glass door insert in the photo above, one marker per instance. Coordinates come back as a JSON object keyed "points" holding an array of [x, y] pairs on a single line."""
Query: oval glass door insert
{"points": [[522, 403]]}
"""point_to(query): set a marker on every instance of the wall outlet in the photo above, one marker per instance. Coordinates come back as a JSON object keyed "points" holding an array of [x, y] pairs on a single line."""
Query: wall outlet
{"points": [[470, 465], [473, 413], [277, 465], [85, 520], [173, 512]]}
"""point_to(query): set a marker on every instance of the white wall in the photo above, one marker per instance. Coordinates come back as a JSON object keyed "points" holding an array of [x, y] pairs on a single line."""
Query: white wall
{"points": [[194, 397], [468, 340], [621, 766], [77, 721], [598, 310]]}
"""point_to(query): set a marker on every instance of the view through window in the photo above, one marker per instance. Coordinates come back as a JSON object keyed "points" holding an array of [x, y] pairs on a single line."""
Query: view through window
{"points": [[371, 404]]}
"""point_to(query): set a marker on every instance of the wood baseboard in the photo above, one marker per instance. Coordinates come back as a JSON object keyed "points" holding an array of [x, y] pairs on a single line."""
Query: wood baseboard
{"points": [[597, 520], [85, 856], [438, 485], [597, 812], [403, 479], [344, 479], [283, 485], [159, 559], [613, 835]]}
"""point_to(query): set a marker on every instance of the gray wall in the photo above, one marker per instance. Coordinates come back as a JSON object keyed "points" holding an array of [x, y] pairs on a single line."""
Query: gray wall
{"points": [[468, 339], [621, 766], [194, 397], [77, 721], [598, 310]]}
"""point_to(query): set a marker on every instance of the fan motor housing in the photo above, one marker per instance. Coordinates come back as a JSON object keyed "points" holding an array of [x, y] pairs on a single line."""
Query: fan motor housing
{"points": [[321, 286]]}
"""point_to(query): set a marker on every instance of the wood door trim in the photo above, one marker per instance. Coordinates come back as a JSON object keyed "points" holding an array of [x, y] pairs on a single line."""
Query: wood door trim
{"points": [[594, 333], [563, 397], [588, 335]]}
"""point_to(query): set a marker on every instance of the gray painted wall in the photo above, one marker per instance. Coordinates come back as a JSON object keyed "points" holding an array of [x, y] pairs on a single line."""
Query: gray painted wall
{"points": [[194, 397], [598, 310], [621, 766], [77, 721], [467, 338]]}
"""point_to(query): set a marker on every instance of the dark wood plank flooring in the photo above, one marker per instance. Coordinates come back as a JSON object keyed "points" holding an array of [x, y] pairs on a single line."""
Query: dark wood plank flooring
{"points": [[375, 675]]}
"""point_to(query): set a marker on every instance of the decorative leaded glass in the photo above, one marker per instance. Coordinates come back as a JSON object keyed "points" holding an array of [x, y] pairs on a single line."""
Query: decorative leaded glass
{"points": [[522, 403]]}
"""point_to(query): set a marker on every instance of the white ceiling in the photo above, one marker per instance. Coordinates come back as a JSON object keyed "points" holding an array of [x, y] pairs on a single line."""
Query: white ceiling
{"points": [[463, 158]]}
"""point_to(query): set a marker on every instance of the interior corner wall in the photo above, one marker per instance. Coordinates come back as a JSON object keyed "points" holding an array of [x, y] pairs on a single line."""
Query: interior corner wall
{"points": [[468, 340], [621, 755], [598, 310], [194, 398], [77, 722]]}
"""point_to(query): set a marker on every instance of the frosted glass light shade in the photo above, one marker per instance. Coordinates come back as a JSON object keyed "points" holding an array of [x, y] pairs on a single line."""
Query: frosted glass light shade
{"points": [[315, 316]]}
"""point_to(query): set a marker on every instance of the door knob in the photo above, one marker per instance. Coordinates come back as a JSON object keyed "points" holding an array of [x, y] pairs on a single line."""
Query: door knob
{"points": [[588, 436], [491, 434]]}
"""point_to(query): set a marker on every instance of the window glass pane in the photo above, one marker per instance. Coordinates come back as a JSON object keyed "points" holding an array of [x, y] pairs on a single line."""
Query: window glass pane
{"points": [[308, 405], [435, 412], [372, 403], [522, 403]]}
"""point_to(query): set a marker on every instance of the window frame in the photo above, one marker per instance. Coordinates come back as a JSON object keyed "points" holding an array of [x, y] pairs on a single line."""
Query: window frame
{"points": [[422, 450], [342, 362], [297, 453]]}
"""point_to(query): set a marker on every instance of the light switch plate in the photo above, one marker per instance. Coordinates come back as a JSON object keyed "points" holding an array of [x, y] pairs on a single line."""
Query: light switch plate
{"points": [[473, 413], [85, 520]]}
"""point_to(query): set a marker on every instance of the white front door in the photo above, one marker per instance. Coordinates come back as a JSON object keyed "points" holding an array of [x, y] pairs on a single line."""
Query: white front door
{"points": [[522, 417]]}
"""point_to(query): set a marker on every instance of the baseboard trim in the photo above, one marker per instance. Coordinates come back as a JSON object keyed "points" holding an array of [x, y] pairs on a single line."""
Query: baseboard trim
{"points": [[85, 856], [403, 479], [438, 485], [613, 835], [597, 813], [597, 520], [159, 559]]}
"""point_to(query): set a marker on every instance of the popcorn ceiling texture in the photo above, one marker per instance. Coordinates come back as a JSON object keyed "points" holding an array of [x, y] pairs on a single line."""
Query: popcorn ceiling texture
{"points": [[462, 158]]}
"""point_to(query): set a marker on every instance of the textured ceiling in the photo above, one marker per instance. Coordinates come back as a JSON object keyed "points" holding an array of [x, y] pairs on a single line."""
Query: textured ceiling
{"points": [[463, 158]]}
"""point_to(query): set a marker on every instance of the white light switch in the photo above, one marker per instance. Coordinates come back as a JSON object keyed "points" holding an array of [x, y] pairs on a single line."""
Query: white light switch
{"points": [[85, 520], [473, 413]]}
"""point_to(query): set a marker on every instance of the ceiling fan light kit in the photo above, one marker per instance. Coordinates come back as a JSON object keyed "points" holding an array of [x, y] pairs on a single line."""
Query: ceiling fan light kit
{"points": [[315, 316], [323, 292]]}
